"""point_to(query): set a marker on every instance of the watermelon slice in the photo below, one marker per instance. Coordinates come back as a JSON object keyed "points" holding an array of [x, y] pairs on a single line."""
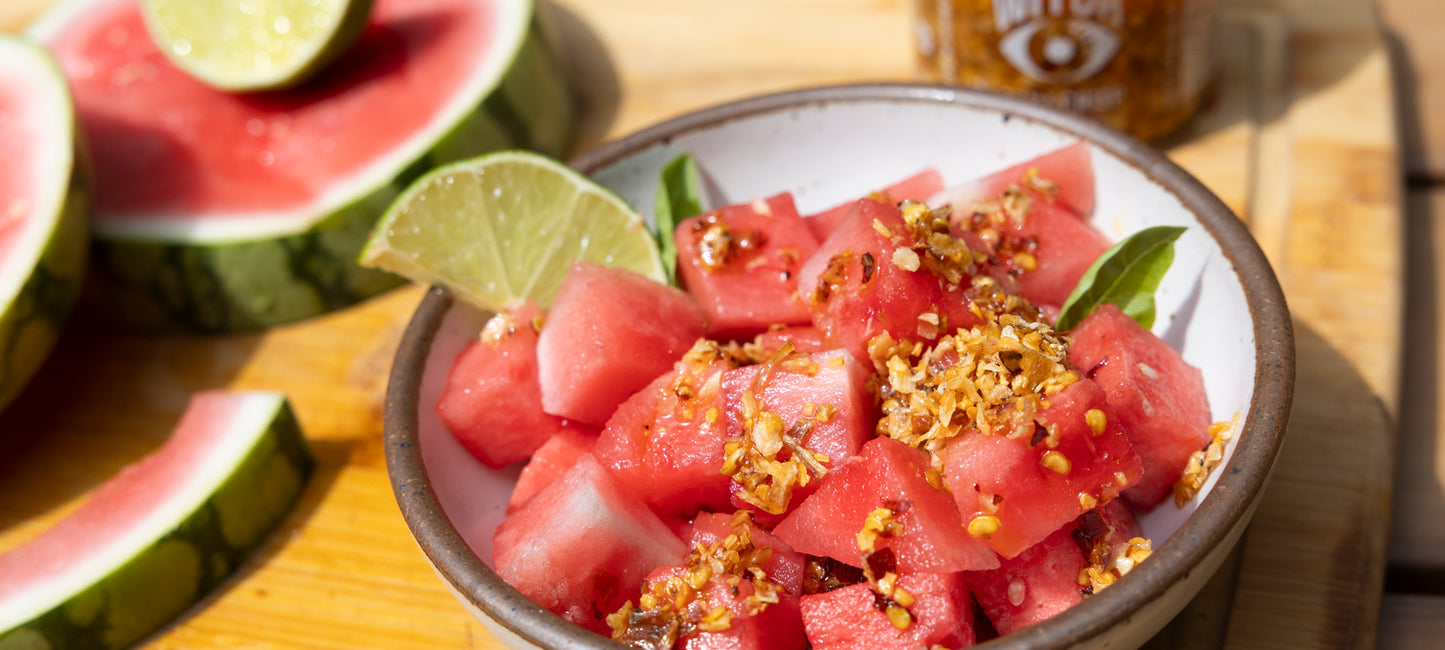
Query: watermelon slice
{"points": [[161, 533], [43, 206], [217, 212]]}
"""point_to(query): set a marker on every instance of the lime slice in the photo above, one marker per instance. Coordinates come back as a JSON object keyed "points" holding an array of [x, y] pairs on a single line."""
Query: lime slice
{"points": [[503, 228], [250, 45]]}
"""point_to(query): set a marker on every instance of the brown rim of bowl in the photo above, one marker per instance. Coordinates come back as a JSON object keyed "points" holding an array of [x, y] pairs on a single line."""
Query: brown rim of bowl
{"points": [[1258, 443]]}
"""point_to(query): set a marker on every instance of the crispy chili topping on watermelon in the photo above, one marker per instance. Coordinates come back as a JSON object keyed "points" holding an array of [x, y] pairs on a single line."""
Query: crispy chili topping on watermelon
{"points": [[833, 276], [1202, 462], [928, 245], [989, 220], [769, 460], [677, 607], [822, 574], [1107, 563], [993, 378], [717, 244]]}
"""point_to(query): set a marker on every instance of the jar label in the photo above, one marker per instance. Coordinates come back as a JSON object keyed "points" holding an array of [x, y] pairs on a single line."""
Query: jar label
{"points": [[1058, 41]]}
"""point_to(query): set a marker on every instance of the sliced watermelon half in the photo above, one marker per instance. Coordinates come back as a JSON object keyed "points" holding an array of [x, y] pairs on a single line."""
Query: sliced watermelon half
{"points": [[44, 205], [217, 211], [162, 533]]}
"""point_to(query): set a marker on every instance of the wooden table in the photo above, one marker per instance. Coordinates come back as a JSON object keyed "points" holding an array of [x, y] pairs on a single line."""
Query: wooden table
{"points": [[1300, 140]]}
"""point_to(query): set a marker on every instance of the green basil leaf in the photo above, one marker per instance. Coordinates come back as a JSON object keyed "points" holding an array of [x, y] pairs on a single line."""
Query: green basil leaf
{"points": [[679, 196], [1126, 275]]}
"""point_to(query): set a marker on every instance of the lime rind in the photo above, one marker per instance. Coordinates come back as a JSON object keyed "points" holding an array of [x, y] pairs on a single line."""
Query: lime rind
{"points": [[503, 228]]}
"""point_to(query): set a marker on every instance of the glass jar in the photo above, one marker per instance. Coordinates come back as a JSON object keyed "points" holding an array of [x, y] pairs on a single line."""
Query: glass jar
{"points": [[1140, 66]]}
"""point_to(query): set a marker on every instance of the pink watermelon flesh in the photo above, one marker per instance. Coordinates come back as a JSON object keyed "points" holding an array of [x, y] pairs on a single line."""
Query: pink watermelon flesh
{"points": [[1062, 245], [850, 617], [551, 460], [799, 394], [785, 566], [778, 626], [610, 333], [18, 147], [918, 187], [492, 402], [1007, 478], [1043, 581], [1157, 395], [539, 549], [872, 294], [665, 443], [887, 474], [805, 338], [164, 143], [751, 285], [161, 482], [1069, 167]]}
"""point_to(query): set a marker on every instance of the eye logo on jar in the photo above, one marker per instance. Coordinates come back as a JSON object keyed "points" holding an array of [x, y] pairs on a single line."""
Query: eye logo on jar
{"points": [[1059, 51]]}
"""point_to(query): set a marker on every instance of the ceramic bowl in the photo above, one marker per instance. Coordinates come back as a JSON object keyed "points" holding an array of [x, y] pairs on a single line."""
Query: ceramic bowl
{"points": [[1220, 305]]}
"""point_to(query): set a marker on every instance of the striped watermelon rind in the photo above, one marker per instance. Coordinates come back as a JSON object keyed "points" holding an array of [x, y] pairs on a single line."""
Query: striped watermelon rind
{"points": [[34, 313], [258, 470], [162, 279]]}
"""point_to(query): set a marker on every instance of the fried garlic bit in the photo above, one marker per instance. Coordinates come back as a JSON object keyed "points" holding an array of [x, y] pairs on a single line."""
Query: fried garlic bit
{"points": [[929, 245], [880, 566], [1107, 565], [1202, 462], [993, 378], [756, 461], [677, 607]]}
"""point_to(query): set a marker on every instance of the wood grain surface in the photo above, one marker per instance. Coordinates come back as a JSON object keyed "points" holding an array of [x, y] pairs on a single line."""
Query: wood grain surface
{"points": [[1299, 139]]}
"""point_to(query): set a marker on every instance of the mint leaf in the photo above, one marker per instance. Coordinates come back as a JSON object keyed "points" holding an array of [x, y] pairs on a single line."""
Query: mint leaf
{"points": [[1126, 275], [679, 196]]}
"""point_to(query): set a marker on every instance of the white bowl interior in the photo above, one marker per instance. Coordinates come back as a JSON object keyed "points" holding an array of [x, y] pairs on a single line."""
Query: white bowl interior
{"points": [[829, 152]]}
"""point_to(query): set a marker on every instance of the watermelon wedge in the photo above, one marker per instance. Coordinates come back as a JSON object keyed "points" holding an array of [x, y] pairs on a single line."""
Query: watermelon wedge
{"points": [[43, 211], [160, 534], [217, 212]]}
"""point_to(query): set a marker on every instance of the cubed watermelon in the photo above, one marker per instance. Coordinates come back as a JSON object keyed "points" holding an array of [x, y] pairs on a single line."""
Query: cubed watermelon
{"points": [[1062, 247], [1050, 576], [491, 400], [665, 443], [748, 624], [551, 460], [610, 332], [866, 279], [1015, 491], [1069, 169], [741, 263], [892, 476], [537, 547], [805, 338], [1156, 394], [940, 614], [821, 401], [784, 565], [918, 187]]}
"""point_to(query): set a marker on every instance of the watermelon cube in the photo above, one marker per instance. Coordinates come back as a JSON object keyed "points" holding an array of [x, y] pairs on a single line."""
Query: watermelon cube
{"points": [[940, 614], [1015, 491], [862, 282], [750, 622], [665, 443], [805, 338], [741, 261], [1069, 169], [582, 546], [610, 333], [551, 460], [823, 403], [784, 565], [1157, 395], [918, 187], [887, 475], [1062, 246], [1049, 577], [492, 401]]}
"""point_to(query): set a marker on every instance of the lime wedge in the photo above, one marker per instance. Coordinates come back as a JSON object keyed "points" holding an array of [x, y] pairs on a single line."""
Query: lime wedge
{"points": [[252, 45], [503, 228]]}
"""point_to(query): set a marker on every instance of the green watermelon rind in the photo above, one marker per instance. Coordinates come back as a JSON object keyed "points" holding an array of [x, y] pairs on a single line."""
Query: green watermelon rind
{"points": [[162, 284], [177, 569], [30, 324]]}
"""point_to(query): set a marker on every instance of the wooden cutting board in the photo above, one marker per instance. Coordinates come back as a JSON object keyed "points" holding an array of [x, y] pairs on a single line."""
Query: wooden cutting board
{"points": [[1299, 139]]}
